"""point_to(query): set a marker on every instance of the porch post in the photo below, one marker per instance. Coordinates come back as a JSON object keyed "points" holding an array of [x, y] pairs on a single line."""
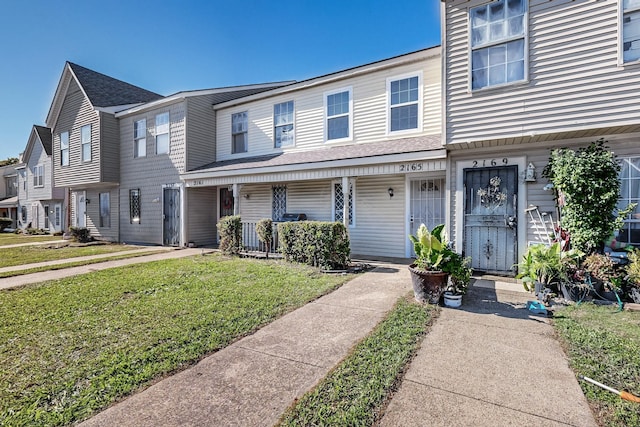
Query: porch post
{"points": [[236, 199], [345, 197]]}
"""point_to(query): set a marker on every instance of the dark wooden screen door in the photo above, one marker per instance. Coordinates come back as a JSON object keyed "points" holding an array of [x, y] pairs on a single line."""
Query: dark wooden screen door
{"points": [[171, 216]]}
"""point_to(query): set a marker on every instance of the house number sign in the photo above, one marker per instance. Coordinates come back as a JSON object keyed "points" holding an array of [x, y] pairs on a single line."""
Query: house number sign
{"points": [[490, 162], [411, 167]]}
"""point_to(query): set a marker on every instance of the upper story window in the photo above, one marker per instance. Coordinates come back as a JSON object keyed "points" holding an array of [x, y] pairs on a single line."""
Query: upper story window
{"points": [[38, 176], [140, 138], [338, 106], [239, 126], [404, 103], [498, 43], [12, 186], [283, 124], [630, 30], [85, 137], [64, 149], [162, 133]]}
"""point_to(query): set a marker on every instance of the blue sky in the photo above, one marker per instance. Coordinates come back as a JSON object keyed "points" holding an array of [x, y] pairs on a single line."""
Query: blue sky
{"points": [[169, 46]]}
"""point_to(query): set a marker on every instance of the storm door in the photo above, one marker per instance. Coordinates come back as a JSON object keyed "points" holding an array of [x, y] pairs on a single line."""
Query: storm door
{"points": [[81, 209], [226, 202], [490, 218], [171, 217], [426, 204]]}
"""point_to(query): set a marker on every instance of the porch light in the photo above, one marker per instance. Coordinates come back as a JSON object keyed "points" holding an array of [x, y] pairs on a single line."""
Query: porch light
{"points": [[390, 191], [246, 196]]}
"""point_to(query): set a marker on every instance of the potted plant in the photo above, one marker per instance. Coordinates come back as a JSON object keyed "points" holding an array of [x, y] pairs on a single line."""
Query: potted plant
{"points": [[427, 272], [633, 276], [460, 271], [606, 276]]}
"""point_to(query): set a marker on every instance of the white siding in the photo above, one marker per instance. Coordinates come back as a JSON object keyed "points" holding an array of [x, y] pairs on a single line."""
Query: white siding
{"points": [[574, 82], [369, 113], [201, 216]]}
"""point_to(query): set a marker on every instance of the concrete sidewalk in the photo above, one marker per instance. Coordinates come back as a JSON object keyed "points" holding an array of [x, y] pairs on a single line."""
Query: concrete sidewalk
{"points": [[253, 381], [490, 363]]}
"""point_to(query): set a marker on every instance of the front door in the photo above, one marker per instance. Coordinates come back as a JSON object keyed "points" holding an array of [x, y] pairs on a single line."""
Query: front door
{"points": [[490, 216], [81, 209], [426, 204], [226, 202], [171, 217]]}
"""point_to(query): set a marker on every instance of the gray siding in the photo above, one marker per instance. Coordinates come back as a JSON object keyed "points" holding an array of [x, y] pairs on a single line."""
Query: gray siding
{"points": [[200, 132], [201, 216], [110, 148], [111, 232], [575, 82]]}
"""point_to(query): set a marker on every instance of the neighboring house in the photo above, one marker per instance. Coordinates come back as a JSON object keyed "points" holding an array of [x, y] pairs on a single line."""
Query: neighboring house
{"points": [[361, 146], [9, 193], [523, 77], [42, 205], [86, 145]]}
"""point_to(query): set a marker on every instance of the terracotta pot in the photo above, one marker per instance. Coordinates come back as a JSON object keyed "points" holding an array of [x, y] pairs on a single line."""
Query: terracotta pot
{"points": [[428, 286]]}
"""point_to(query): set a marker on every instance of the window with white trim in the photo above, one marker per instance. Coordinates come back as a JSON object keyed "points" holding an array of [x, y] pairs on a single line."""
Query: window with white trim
{"points": [[338, 107], [85, 139], [239, 126], [630, 30], [38, 176], [498, 43], [278, 202], [404, 103], [64, 149], [134, 206], [105, 210], [162, 133], [140, 138], [283, 124], [339, 202], [630, 193]]}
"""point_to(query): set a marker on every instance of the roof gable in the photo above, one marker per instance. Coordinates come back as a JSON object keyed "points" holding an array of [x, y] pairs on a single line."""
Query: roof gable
{"points": [[39, 134]]}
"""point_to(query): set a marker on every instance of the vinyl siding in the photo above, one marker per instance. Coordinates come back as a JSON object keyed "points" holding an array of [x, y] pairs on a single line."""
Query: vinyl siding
{"points": [[38, 157], [574, 84], [110, 148], [201, 216], [110, 233], [369, 115], [76, 112], [149, 173], [200, 132]]}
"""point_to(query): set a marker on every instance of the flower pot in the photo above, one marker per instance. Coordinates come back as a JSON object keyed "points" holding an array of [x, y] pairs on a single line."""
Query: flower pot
{"points": [[428, 286], [452, 300], [573, 292]]}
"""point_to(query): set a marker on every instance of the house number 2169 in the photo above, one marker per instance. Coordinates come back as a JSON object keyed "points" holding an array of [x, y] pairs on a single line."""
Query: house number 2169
{"points": [[492, 162]]}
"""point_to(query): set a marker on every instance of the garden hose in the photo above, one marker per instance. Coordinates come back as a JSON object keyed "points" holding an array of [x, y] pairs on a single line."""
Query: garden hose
{"points": [[623, 394]]}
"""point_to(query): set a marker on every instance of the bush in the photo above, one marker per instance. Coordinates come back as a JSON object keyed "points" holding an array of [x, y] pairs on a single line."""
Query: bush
{"points": [[230, 229], [5, 223], [36, 231], [320, 244], [264, 229], [80, 234]]}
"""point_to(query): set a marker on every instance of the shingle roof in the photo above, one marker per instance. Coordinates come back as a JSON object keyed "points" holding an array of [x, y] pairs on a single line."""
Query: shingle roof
{"points": [[44, 134], [354, 151], [105, 91]]}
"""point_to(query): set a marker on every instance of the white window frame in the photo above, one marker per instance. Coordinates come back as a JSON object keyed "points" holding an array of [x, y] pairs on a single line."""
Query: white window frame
{"points": [[492, 43], [352, 206], [349, 115], [85, 143], [621, 14], [292, 132], [162, 128], [244, 131], [38, 176], [64, 148], [139, 140], [390, 107]]}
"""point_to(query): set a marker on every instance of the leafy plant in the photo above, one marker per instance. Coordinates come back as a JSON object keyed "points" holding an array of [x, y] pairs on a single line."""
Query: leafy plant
{"points": [[230, 229], [460, 271], [602, 268], [316, 243], [264, 229], [587, 189], [547, 264], [79, 234], [431, 248]]}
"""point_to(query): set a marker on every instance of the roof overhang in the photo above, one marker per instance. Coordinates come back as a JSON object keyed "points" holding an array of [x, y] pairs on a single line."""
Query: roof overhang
{"points": [[11, 202]]}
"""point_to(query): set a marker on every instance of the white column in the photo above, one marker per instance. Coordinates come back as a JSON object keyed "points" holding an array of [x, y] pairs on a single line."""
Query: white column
{"points": [[183, 215], [236, 199], [345, 197]]}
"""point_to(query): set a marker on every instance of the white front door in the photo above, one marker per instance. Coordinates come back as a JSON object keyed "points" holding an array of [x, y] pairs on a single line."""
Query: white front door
{"points": [[81, 209]]}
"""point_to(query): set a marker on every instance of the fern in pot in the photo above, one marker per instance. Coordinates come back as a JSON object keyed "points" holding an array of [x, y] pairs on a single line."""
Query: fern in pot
{"points": [[428, 272]]}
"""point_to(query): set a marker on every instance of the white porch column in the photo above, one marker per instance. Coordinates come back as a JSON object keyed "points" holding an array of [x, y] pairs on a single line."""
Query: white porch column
{"points": [[183, 215], [236, 199], [345, 197]]}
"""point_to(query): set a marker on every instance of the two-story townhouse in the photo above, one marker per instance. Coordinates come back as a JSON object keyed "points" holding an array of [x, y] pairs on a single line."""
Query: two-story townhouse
{"points": [[523, 77], [361, 146], [159, 141], [86, 144], [9, 192], [41, 204]]}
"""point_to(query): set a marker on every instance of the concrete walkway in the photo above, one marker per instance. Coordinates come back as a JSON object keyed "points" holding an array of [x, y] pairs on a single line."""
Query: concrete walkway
{"points": [[253, 381], [490, 363]]}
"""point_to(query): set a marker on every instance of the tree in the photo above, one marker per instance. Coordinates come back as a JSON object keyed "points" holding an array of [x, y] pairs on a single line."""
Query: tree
{"points": [[9, 161], [587, 188]]}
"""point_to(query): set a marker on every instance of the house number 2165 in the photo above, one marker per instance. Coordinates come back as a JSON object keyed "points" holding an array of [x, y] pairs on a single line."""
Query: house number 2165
{"points": [[410, 167]]}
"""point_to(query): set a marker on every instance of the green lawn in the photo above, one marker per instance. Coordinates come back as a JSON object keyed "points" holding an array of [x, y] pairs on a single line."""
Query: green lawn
{"points": [[355, 392], [23, 255], [604, 344], [71, 347], [14, 239]]}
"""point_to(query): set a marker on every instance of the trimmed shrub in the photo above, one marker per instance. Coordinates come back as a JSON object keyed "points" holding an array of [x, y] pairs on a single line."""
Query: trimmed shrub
{"points": [[264, 229], [80, 234], [5, 223], [230, 229], [320, 244]]}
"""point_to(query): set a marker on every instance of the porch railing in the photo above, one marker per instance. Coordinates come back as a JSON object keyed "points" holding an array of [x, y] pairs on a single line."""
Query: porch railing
{"points": [[250, 239]]}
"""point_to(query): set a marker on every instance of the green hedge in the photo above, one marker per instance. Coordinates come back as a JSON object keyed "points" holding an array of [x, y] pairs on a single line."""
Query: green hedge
{"points": [[230, 229], [320, 244], [80, 234]]}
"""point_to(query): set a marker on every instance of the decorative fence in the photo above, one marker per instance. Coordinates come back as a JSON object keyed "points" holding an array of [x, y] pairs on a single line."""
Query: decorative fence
{"points": [[250, 240]]}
